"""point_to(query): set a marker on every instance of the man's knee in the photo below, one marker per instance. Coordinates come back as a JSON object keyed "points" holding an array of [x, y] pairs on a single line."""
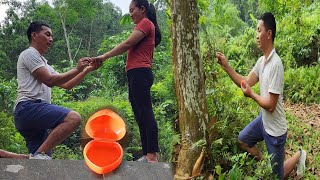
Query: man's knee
{"points": [[74, 118], [243, 145], [241, 138]]}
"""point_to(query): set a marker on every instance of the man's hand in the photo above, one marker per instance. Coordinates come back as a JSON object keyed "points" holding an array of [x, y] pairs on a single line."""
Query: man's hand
{"points": [[83, 63], [94, 65], [222, 60], [246, 89]]}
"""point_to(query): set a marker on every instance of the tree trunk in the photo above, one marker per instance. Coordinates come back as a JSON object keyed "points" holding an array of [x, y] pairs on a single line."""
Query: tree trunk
{"points": [[90, 37], [67, 40], [189, 84]]}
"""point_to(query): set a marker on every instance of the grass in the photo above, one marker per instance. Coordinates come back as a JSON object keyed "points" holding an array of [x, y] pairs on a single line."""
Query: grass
{"points": [[308, 137]]}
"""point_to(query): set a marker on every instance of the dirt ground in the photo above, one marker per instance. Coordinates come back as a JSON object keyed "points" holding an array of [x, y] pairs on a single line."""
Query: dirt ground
{"points": [[310, 115]]}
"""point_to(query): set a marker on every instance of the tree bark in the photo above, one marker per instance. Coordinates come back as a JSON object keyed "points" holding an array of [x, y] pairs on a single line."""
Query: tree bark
{"points": [[67, 40], [189, 84]]}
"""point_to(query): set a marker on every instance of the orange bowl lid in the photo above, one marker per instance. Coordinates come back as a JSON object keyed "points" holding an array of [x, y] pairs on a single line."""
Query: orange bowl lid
{"points": [[105, 125]]}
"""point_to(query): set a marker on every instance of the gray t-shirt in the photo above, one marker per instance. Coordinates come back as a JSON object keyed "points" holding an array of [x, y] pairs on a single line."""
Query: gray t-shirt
{"points": [[29, 88], [271, 77]]}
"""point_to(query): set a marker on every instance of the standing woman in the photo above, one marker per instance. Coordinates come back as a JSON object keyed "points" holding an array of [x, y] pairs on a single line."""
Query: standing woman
{"points": [[140, 47]]}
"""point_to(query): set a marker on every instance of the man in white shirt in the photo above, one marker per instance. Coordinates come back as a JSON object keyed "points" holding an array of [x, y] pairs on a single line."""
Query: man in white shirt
{"points": [[270, 125], [34, 114]]}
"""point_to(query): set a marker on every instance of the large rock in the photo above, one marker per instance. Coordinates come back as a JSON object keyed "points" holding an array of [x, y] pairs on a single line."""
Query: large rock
{"points": [[25, 169]]}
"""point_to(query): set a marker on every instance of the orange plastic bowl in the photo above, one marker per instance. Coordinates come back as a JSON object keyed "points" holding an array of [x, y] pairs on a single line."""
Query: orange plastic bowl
{"points": [[106, 125], [103, 154], [103, 157]]}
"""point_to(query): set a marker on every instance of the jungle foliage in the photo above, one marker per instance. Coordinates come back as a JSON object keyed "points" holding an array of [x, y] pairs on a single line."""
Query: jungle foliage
{"points": [[93, 27]]}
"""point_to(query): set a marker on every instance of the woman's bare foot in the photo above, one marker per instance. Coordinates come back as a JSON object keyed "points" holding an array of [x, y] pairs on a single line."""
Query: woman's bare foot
{"points": [[152, 157]]}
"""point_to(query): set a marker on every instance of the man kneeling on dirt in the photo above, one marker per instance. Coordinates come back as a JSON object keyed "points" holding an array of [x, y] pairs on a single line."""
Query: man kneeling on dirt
{"points": [[34, 114], [270, 125]]}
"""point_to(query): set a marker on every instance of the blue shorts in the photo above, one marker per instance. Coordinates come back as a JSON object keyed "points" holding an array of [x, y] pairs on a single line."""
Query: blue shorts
{"points": [[33, 119], [254, 132]]}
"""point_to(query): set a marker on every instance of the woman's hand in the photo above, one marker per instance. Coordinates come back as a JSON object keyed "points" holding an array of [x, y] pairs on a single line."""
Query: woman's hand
{"points": [[100, 58], [93, 65]]}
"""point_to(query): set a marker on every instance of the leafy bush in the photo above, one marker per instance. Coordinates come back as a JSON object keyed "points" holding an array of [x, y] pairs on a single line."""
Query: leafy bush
{"points": [[85, 109], [113, 71], [164, 112], [297, 38], [8, 93], [64, 152], [303, 85], [243, 59], [245, 167], [11, 140]]}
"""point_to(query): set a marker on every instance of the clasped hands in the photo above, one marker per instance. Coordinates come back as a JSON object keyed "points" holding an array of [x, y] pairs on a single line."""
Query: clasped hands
{"points": [[89, 63]]}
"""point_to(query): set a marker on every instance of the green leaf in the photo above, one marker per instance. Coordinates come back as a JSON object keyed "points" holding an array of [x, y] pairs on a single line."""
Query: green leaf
{"points": [[125, 20], [218, 169]]}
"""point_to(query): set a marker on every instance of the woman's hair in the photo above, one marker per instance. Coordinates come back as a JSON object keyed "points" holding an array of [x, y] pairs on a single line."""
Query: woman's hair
{"points": [[152, 16]]}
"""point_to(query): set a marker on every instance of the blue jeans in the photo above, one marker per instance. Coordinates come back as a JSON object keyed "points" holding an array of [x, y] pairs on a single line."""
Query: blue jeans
{"points": [[254, 132], [33, 119]]}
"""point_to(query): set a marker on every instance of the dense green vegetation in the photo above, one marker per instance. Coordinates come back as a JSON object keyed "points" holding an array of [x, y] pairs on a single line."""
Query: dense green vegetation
{"points": [[92, 27]]}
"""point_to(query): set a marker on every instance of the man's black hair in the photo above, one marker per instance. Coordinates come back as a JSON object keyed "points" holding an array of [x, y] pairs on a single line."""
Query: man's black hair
{"points": [[35, 26], [270, 23]]}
